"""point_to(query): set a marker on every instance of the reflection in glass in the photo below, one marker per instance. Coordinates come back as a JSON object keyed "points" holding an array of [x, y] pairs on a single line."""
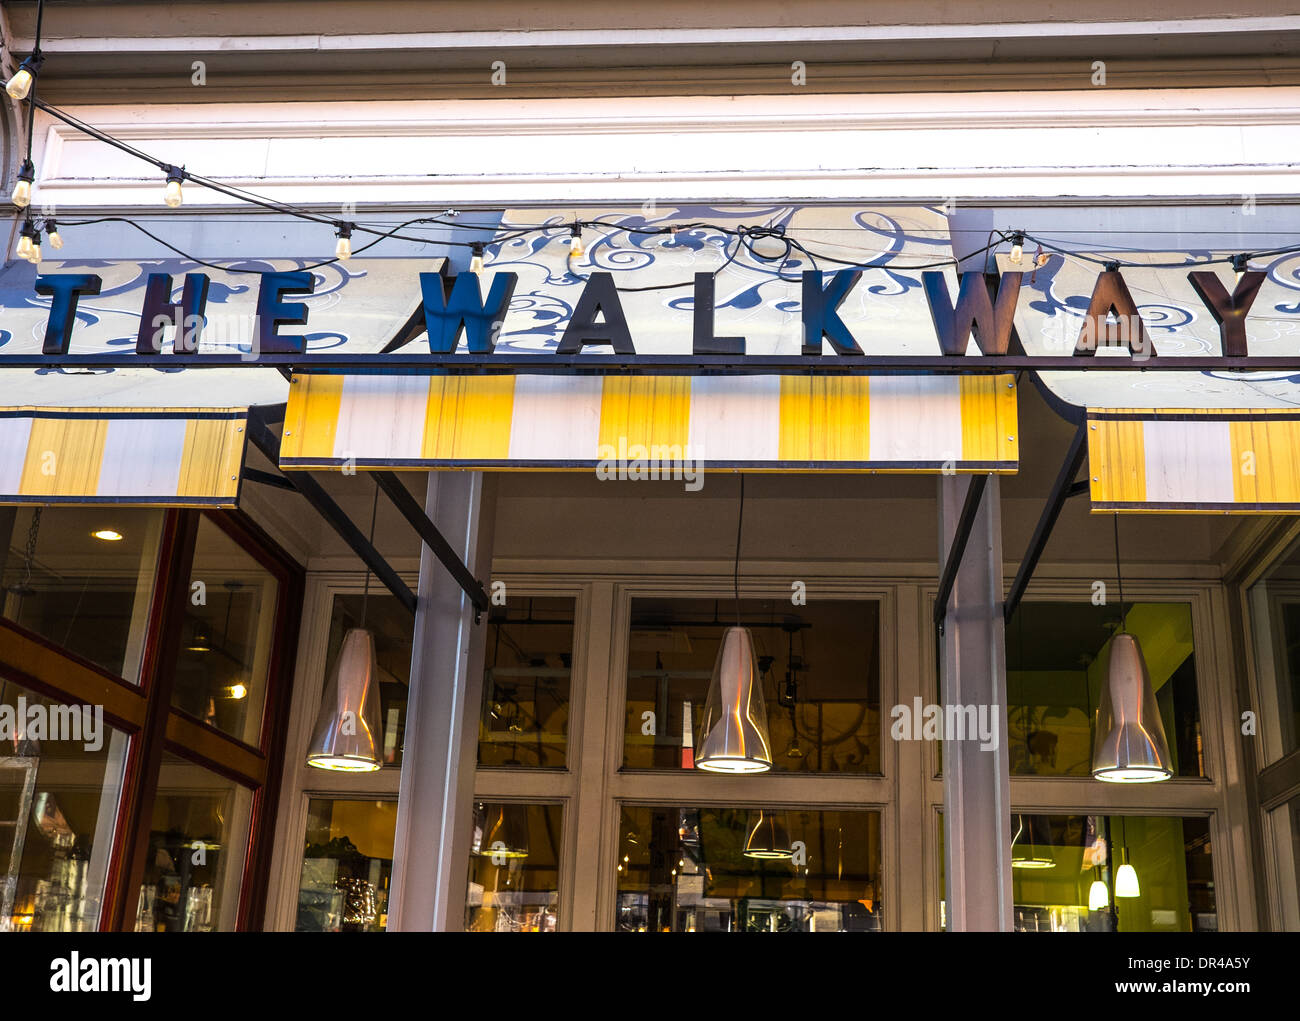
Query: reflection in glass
{"points": [[391, 627], [346, 866], [1274, 606], [87, 595], [61, 775], [513, 868], [529, 660], [221, 670], [1058, 655], [197, 841], [696, 870], [818, 667]]}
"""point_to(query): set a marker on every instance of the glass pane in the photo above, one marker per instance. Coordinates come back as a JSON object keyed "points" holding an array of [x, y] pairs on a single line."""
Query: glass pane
{"points": [[196, 851], [227, 636], [1056, 658], [347, 866], [748, 870], [61, 770], [1067, 874], [1274, 608], [1282, 826], [392, 627], [82, 578], [820, 670], [514, 868], [525, 716]]}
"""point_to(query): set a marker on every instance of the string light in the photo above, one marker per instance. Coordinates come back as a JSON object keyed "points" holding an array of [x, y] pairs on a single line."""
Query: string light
{"points": [[343, 247], [1017, 247], [576, 249], [1040, 258], [21, 83], [22, 194], [26, 240], [173, 195], [1240, 263], [476, 259], [52, 232]]}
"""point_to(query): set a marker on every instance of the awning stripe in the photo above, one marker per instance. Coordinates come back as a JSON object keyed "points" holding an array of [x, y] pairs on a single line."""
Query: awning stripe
{"points": [[140, 456], [1245, 462], [845, 423]]}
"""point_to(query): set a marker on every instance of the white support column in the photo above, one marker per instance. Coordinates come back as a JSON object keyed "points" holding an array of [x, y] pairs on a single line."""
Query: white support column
{"points": [[972, 672], [435, 801]]}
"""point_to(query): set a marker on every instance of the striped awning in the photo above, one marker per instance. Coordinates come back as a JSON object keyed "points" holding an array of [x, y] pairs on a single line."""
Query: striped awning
{"points": [[1243, 462], [839, 423], [130, 456]]}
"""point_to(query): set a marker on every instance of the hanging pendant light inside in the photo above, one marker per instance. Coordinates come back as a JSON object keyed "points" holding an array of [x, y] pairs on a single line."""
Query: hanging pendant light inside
{"points": [[1126, 879], [1098, 896], [1028, 846], [347, 733], [505, 832], [733, 735], [769, 839], [1130, 744]]}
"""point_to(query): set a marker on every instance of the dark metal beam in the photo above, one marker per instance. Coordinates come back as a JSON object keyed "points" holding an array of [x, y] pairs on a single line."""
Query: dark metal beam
{"points": [[1062, 489], [677, 364], [410, 509], [259, 433], [268, 479], [969, 508]]}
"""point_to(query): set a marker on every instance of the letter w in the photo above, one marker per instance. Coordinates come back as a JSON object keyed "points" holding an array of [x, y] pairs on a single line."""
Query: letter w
{"points": [[447, 316], [992, 323]]}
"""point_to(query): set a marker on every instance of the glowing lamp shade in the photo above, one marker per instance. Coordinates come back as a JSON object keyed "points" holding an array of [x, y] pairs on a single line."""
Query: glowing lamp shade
{"points": [[733, 734], [768, 838], [346, 736], [505, 832], [1098, 897], [1029, 847], [1126, 882], [20, 84], [1130, 746]]}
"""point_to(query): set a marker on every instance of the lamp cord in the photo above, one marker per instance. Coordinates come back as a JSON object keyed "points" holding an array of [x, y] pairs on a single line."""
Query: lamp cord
{"points": [[365, 591], [1119, 577], [740, 520]]}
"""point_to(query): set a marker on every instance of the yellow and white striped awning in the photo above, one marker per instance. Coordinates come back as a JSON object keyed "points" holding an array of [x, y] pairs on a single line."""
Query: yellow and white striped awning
{"points": [[134, 456], [841, 423], [1242, 462]]}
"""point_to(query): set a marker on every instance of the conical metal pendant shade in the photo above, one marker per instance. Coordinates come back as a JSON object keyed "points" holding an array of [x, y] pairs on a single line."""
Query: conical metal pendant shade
{"points": [[768, 838], [1130, 745], [733, 733], [347, 733], [505, 832]]}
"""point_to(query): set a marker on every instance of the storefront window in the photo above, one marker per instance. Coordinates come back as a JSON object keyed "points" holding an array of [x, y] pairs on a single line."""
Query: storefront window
{"points": [[229, 627], [1056, 658], [820, 671], [82, 578], [748, 870], [1068, 875], [525, 716], [61, 772], [514, 868], [196, 851], [346, 866], [392, 625], [1274, 607]]}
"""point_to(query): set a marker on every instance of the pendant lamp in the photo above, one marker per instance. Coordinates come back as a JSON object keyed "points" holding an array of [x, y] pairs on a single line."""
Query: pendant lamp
{"points": [[1126, 878], [733, 730], [1130, 744], [505, 832], [347, 736], [1098, 896], [768, 838], [1032, 835]]}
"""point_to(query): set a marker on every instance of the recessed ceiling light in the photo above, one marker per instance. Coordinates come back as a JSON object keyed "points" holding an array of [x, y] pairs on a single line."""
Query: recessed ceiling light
{"points": [[108, 535]]}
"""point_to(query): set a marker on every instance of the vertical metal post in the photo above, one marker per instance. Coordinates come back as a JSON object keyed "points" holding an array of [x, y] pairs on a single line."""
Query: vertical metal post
{"points": [[436, 797], [972, 673]]}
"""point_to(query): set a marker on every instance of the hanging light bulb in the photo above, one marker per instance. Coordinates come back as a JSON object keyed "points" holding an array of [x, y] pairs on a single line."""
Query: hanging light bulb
{"points": [[476, 258], [21, 83], [1126, 881], [52, 232], [22, 193], [1017, 248], [733, 731], [1130, 746], [505, 832], [1098, 896], [347, 733], [1030, 836], [343, 247], [1040, 258], [769, 839], [576, 249], [26, 241], [1240, 263], [35, 257], [172, 195]]}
